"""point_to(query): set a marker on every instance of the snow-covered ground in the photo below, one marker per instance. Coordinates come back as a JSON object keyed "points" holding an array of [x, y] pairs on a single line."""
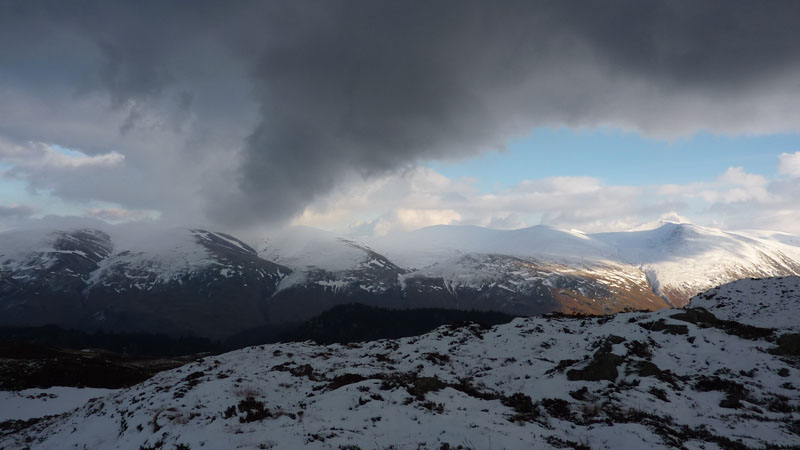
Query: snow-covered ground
{"points": [[665, 379], [32, 403], [775, 302]]}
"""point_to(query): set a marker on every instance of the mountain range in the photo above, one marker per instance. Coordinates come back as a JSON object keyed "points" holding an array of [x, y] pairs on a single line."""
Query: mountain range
{"points": [[196, 282]]}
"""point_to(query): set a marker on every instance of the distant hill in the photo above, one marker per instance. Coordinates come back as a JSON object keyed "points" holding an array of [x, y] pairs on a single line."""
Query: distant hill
{"points": [[358, 323]]}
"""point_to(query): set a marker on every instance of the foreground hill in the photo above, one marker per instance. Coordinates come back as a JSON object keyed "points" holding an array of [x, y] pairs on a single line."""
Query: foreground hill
{"points": [[772, 303], [665, 379]]}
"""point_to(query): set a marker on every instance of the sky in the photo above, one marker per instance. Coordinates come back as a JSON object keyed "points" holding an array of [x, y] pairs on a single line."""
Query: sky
{"points": [[370, 117], [620, 157]]}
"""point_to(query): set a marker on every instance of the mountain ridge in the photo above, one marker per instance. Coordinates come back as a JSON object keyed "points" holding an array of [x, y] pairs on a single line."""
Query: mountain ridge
{"points": [[191, 281]]}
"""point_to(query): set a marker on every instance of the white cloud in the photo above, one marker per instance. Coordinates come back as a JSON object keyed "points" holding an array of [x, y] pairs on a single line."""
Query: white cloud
{"points": [[561, 185], [732, 186], [42, 156], [422, 197], [116, 215], [406, 219], [737, 176], [789, 164], [57, 160]]}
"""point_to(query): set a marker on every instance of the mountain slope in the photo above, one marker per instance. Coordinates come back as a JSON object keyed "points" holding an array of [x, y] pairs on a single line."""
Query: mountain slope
{"points": [[665, 379], [681, 259], [526, 286], [327, 271], [428, 246], [179, 281], [185, 281], [773, 302], [43, 273]]}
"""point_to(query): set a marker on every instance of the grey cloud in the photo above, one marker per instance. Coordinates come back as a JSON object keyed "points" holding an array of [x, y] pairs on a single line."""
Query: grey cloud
{"points": [[508, 222], [370, 87], [16, 211]]}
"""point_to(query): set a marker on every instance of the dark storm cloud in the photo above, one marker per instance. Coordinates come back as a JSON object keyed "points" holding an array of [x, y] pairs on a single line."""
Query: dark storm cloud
{"points": [[367, 87], [370, 86]]}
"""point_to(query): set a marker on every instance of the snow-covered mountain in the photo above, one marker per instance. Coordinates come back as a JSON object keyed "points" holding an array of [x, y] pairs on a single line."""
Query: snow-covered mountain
{"points": [[457, 267], [537, 269], [682, 259], [665, 379], [327, 270], [678, 259], [431, 245], [43, 274], [212, 284], [528, 286], [176, 280]]}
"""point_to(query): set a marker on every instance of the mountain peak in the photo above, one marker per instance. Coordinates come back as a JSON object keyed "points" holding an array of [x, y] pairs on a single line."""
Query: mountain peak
{"points": [[669, 219]]}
